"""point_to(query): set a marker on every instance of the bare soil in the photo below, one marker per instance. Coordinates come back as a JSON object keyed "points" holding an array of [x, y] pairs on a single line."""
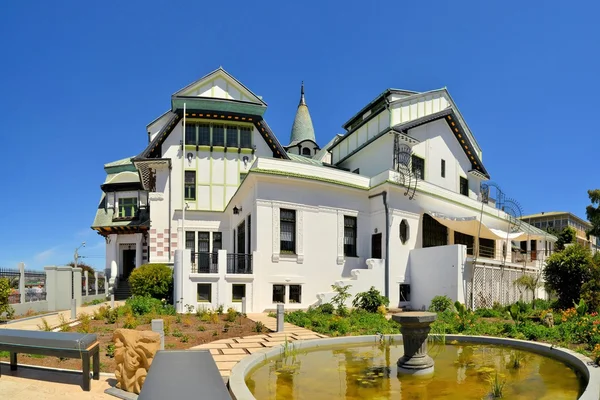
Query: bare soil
{"points": [[190, 331]]}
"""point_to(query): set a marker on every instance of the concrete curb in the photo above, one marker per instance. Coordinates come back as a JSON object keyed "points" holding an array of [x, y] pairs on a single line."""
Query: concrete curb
{"points": [[581, 363]]}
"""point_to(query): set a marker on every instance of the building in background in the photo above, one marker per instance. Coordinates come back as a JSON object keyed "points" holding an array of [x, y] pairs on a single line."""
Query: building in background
{"points": [[556, 221], [394, 202]]}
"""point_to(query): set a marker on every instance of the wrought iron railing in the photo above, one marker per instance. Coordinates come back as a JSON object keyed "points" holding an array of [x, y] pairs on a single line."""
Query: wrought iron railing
{"points": [[35, 295], [239, 263], [205, 263]]}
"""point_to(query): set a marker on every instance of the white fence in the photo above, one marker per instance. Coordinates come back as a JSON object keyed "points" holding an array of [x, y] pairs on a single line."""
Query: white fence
{"points": [[497, 285]]}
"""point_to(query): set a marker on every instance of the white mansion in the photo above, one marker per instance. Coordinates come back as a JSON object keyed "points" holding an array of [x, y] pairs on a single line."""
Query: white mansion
{"points": [[395, 202]]}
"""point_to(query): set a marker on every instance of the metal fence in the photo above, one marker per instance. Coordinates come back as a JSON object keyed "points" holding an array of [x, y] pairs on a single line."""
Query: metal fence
{"points": [[205, 263], [14, 278], [497, 285], [239, 263], [34, 284]]}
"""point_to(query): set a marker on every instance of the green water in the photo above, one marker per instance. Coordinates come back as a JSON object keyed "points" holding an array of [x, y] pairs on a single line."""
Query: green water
{"points": [[462, 371]]}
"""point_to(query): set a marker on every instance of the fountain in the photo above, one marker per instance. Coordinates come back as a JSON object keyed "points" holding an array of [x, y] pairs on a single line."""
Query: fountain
{"points": [[415, 328]]}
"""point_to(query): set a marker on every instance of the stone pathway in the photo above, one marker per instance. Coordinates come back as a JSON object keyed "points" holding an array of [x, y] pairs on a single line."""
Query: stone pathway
{"points": [[228, 352], [55, 319]]}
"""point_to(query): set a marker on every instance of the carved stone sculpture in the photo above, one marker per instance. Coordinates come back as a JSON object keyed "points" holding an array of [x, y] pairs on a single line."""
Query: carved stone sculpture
{"points": [[134, 352], [548, 320]]}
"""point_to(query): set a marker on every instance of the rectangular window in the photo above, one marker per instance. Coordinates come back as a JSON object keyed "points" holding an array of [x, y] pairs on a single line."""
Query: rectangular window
{"points": [[350, 236], [217, 242], [245, 137], [287, 231], [278, 293], [241, 238], [189, 241], [127, 207], [487, 248], [443, 168], [467, 240], [190, 134], [204, 135], [418, 167], [190, 185], [295, 294], [464, 186], [434, 233], [238, 291], [232, 136], [203, 242], [249, 245], [218, 135], [204, 293], [404, 292]]}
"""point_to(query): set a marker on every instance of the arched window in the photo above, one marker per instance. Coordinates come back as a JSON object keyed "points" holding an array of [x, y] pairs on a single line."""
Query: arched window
{"points": [[404, 231], [306, 151]]}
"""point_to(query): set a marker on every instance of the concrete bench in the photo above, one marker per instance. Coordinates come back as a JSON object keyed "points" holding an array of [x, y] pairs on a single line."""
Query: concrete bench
{"points": [[57, 344], [190, 374]]}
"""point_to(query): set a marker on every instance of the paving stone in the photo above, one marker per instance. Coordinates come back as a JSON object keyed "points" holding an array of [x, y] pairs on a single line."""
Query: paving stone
{"points": [[246, 345], [216, 351], [250, 340], [254, 336], [212, 345], [229, 357], [273, 344], [252, 351], [233, 351], [225, 365]]}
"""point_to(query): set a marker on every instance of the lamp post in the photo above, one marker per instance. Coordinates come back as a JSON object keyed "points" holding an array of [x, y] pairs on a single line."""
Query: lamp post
{"points": [[76, 255]]}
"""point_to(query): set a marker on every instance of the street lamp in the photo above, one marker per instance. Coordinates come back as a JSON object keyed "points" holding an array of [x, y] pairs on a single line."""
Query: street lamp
{"points": [[76, 256]]}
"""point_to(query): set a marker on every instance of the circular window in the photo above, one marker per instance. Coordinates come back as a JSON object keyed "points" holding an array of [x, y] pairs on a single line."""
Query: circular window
{"points": [[404, 231]]}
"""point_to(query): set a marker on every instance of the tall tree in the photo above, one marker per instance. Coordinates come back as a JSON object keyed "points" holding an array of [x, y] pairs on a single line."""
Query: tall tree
{"points": [[565, 237], [566, 271], [592, 212]]}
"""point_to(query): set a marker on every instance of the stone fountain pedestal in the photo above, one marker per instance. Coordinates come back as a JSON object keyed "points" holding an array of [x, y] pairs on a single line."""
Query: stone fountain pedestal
{"points": [[415, 326]]}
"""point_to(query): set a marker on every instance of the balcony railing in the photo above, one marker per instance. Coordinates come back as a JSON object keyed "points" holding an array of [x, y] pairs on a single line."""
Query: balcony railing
{"points": [[239, 263], [205, 263], [515, 256]]}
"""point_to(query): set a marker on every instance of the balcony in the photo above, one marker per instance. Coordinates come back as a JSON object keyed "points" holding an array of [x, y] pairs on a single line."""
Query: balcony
{"points": [[239, 263], [205, 263]]}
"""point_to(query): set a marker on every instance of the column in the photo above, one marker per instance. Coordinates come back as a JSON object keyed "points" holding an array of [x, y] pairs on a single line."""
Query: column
{"points": [[50, 287], [64, 287], [86, 275], [222, 292], [22, 281], [77, 285], [177, 281], [95, 283], [138, 249]]}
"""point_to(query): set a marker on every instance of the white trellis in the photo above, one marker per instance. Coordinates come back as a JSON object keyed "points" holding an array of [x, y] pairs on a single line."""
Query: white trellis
{"points": [[495, 284]]}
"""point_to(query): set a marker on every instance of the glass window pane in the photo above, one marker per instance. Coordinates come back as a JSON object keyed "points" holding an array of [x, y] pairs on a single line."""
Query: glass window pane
{"points": [[204, 292], [204, 135], [295, 294], [238, 291], [278, 293], [287, 231], [232, 136], [218, 135], [203, 242], [189, 240], [245, 137], [190, 134]]}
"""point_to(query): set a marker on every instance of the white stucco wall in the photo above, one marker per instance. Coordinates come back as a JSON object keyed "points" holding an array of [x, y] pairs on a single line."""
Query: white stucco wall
{"points": [[437, 271]]}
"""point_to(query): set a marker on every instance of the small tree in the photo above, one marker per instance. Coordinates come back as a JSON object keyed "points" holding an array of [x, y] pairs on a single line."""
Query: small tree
{"points": [[370, 300], [339, 300], [567, 271], [565, 237], [529, 282], [154, 280]]}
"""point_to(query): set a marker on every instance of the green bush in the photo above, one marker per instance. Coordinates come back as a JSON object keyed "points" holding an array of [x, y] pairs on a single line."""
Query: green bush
{"points": [[141, 305], [440, 303], [154, 280], [5, 307], [566, 272], [488, 313], [370, 300], [326, 308]]}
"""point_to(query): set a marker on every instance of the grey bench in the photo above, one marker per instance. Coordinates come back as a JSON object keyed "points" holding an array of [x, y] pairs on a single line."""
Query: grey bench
{"points": [[190, 374], [57, 344]]}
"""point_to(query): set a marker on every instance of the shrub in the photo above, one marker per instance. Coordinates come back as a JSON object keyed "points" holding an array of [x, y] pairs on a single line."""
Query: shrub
{"points": [[370, 300], [184, 339], [567, 271], [220, 309], [339, 300], [488, 313], [112, 315], [259, 327], [440, 303], [231, 314], [5, 290], [84, 323], [326, 308], [45, 326], [141, 305], [201, 328], [154, 280], [130, 322], [110, 350], [101, 313], [177, 333]]}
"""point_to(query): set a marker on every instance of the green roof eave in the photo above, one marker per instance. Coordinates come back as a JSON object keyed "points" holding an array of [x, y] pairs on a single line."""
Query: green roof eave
{"points": [[120, 168], [212, 104]]}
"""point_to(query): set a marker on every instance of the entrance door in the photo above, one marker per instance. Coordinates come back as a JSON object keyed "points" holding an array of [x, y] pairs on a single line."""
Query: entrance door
{"points": [[128, 262], [376, 246]]}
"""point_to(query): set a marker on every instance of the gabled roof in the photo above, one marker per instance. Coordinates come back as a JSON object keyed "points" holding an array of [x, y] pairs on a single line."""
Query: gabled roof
{"points": [[321, 153], [204, 85], [381, 96]]}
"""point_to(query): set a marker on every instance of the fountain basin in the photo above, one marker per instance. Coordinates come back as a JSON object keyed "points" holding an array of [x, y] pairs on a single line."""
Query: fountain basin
{"points": [[590, 375]]}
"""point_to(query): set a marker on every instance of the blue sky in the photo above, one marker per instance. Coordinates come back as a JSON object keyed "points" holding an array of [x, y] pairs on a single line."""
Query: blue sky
{"points": [[79, 81]]}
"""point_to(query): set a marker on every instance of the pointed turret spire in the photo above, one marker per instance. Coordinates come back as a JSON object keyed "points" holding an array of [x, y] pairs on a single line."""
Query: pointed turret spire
{"points": [[302, 101], [303, 127]]}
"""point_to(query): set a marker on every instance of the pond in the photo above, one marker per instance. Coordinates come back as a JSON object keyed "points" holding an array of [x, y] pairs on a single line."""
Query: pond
{"points": [[368, 371]]}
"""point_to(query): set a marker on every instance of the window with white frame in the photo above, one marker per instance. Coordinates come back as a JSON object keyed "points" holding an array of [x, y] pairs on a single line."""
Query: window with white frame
{"points": [[287, 226], [350, 236]]}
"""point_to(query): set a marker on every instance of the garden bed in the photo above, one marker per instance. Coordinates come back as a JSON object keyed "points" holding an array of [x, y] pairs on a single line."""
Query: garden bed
{"points": [[181, 332]]}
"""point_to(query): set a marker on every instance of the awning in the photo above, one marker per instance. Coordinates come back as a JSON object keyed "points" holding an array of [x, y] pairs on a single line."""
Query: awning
{"points": [[471, 226]]}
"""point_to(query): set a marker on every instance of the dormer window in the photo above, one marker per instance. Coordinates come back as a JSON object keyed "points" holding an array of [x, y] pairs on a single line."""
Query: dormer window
{"points": [[306, 152], [127, 207]]}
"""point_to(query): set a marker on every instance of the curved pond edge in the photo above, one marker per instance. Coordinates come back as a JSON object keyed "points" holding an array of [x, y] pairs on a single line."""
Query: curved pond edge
{"points": [[582, 364]]}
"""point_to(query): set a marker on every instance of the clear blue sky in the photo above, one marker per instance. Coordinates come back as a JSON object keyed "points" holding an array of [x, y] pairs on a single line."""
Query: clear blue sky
{"points": [[80, 80]]}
